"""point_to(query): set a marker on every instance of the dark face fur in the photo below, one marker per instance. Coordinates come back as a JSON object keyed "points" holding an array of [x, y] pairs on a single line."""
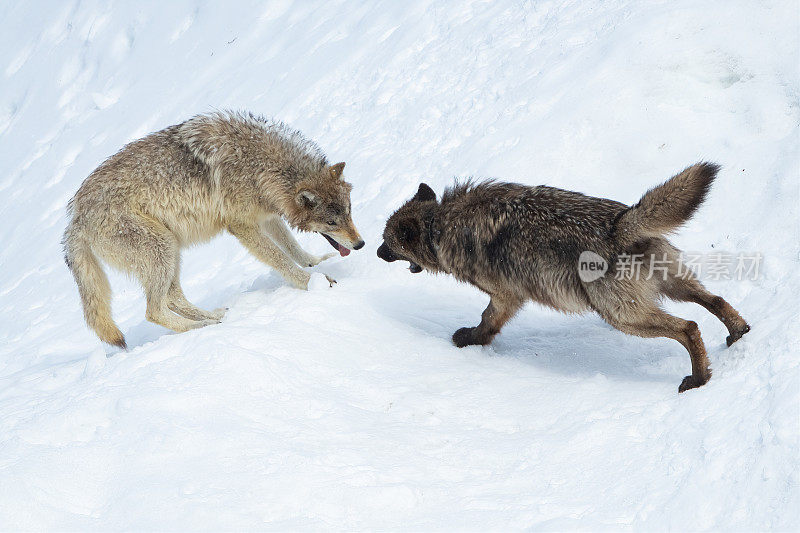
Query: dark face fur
{"points": [[408, 233]]}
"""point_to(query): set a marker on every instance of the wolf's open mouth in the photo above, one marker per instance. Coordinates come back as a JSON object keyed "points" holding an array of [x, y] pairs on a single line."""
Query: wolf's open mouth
{"points": [[342, 250], [414, 268]]}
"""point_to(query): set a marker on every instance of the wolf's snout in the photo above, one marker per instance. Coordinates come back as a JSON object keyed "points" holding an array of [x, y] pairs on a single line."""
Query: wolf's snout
{"points": [[359, 245], [385, 253]]}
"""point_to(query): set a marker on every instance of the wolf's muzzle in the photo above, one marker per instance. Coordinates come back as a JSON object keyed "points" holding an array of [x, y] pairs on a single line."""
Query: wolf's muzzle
{"points": [[385, 253]]}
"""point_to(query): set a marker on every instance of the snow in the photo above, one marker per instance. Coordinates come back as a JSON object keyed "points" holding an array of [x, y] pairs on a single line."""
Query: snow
{"points": [[348, 407]]}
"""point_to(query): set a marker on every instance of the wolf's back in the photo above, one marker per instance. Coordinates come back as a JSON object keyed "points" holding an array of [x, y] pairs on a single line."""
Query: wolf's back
{"points": [[666, 207]]}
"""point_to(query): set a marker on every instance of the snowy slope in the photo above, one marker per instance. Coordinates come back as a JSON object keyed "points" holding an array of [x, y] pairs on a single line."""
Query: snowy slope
{"points": [[349, 408]]}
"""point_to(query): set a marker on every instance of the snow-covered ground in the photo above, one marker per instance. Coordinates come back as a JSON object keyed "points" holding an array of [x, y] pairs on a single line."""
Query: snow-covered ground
{"points": [[349, 408]]}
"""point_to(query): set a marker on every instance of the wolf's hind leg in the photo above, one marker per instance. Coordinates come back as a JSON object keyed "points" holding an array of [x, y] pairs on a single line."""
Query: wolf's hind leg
{"points": [[153, 260], [691, 290], [499, 311], [278, 232], [178, 303], [654, 322]]}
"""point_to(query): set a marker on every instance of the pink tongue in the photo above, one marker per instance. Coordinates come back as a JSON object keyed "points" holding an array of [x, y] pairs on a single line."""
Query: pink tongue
{"points": [[343, 251]]}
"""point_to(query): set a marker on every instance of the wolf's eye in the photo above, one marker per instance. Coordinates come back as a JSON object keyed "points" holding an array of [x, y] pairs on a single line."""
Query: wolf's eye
{"points": [[331, 223]]}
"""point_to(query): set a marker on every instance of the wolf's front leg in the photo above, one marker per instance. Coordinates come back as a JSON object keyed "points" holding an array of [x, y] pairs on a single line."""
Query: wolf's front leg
{"points": [[497, 313], [277, 230], [270, 253]]}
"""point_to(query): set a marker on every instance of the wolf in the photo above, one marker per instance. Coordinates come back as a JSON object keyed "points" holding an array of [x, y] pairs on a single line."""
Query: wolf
{"points": [[183, 185], [519, 243]]}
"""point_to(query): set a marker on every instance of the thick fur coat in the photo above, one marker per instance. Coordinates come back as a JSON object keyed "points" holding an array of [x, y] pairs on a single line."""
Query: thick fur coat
{"points": [[520, 243], [185, 184]]}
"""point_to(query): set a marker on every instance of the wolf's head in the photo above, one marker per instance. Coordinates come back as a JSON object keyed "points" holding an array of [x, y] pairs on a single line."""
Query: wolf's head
{"points": [[323, 205], [408, 233]]}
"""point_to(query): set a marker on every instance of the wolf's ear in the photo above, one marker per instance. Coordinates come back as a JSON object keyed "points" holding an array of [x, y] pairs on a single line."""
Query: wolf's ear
{"points": [[424, 193], [336, 170], [307, 198], [407, 231]]}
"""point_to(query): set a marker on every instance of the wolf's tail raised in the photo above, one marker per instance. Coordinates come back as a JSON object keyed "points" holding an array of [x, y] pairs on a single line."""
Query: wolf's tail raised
{"points": [[94, 289], [666, 207]]}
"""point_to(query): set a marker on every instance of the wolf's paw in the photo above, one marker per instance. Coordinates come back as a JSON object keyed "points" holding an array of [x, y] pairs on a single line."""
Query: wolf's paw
{"points": [[320, 281], [208, 322], [314, 260], [463, 337], [737, 334], [218, 313], [691, 382]]}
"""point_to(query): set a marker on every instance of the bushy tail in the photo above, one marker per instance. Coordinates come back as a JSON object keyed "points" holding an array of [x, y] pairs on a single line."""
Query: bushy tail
{"points": [[94, 290], [666, 207]]}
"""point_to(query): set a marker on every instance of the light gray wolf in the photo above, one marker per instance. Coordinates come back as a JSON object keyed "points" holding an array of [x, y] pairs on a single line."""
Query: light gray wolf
{"points": [[518, 243], [185, 184]]}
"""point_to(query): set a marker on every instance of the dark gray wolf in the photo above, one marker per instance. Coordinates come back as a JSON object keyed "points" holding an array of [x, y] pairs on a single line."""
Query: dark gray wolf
{"points": [[519, 243], [185, 184]]}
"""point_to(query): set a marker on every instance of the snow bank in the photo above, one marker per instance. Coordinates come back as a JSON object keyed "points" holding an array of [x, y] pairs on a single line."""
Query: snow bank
{"points": [[349, 408]]}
